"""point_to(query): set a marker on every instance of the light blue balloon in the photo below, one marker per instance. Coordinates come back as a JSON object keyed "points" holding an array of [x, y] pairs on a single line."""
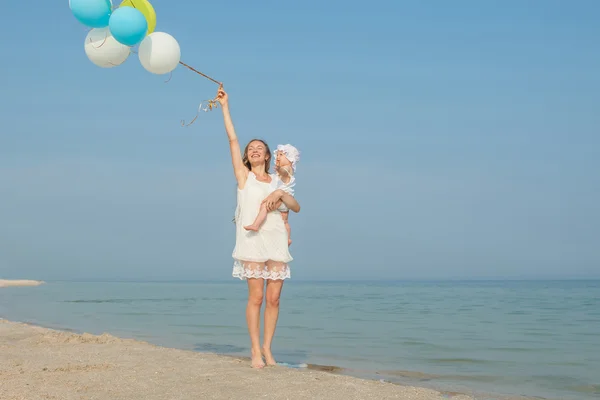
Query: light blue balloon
{"points": [[92, 13], [128, 26]]}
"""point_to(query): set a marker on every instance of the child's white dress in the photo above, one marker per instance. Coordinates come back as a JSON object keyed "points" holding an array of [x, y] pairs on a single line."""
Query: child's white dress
{"points": [[263, 254], [288, 188]]}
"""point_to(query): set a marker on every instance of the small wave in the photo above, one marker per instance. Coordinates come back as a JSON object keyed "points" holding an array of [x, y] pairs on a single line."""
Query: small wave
{"points": [[343, 335], [129, 301], [210, 326], [295, 366], [428, 345], [522, 349], [589, 389], [302, 328], [461, 361], [586, 334], [135, 314], [414, 343], [540, 334], [569, 363], [423, 376], [218, 348]]}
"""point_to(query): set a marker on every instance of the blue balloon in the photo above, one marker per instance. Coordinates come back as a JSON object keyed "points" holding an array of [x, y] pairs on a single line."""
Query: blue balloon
{"points": [[128, 25], [92, 13]]}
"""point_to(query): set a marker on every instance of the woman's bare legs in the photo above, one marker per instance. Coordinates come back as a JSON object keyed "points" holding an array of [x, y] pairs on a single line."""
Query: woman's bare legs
{"points": [[255, 298], [271, 313]]}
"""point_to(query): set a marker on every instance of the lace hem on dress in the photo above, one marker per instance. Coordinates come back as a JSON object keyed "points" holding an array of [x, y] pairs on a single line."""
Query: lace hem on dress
{"points": [[269, 270]]}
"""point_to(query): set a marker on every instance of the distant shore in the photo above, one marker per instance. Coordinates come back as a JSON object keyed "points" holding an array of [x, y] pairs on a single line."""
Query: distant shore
{"points": [[45, 363], [19, 282]]}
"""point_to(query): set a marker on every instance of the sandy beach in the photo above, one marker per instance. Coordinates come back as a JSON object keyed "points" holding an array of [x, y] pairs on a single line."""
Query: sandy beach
{"points": [[40, 363], [19, 282]]}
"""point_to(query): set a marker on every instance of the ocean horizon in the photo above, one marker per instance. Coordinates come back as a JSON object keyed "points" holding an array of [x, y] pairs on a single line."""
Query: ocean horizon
{"points": [[484, 337]]}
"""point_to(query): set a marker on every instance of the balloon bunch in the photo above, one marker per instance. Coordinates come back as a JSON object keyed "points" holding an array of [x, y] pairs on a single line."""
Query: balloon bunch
{"points": [[116, 30]]}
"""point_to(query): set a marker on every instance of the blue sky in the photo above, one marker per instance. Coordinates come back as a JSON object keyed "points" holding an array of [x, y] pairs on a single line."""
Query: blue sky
{"points": [[439, 140]]}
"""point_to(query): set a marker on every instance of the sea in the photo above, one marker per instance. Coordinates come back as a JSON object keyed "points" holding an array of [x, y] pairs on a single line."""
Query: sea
{"points": [[489, 339]]}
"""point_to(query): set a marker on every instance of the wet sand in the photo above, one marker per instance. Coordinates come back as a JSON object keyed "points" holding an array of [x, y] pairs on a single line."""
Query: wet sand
{"points": [[41, 363]]}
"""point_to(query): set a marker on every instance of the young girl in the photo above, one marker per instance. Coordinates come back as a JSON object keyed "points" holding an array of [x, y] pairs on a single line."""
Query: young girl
{"points": [[286, 158]]}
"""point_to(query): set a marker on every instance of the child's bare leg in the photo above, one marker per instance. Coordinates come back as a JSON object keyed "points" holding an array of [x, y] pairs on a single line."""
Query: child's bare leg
{"points": [[260, 218], [284, 216]]}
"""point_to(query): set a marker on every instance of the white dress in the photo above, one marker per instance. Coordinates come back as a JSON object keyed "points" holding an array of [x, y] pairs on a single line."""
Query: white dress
{"points": [[263, 254], [286, 187]]}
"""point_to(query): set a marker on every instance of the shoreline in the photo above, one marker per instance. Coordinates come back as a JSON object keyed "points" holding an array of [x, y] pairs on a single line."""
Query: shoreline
{"points": [[374, 381], [60, 364], [19, 283]]}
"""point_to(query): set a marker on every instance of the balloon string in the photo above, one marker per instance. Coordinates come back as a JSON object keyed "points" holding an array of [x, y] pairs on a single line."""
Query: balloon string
{"points": [[200, 73], [210, 104]]}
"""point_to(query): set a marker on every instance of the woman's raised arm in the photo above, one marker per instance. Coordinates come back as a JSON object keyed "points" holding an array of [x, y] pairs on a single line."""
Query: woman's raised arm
{"points": [[239, 169]]}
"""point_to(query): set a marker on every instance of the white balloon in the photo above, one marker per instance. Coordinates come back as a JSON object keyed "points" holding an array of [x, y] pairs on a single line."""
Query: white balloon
{"points": [[159, 53], [103, 50]]}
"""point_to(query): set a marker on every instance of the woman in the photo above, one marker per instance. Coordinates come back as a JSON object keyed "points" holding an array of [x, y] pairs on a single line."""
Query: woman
{"points": [[264, 255]]}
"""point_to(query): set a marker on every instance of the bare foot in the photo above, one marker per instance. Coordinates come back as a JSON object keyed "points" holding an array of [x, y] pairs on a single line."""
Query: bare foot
{"points": [[251, 228], [269, 357], [257, 360]]}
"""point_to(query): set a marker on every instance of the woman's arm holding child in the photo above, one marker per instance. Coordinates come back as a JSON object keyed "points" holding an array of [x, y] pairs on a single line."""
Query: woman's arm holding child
{"points": [[272, 200]]}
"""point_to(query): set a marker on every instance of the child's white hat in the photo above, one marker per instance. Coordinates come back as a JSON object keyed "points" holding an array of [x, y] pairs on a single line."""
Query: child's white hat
{"points": [[291, 153]]}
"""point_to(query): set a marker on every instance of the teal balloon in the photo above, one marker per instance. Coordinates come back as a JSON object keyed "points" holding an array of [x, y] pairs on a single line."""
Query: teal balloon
{"points": [[128, 25], [92, 13]]}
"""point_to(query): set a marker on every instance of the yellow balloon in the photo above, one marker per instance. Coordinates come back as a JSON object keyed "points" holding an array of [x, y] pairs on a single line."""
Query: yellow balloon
{"points": [[145, 8]]}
